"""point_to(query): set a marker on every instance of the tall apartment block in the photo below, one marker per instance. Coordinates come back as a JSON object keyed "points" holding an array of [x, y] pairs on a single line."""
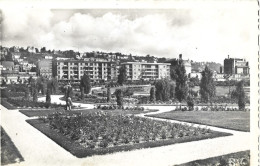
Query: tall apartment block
{"points": [[147, 71], [75, 69], [236, 66]]}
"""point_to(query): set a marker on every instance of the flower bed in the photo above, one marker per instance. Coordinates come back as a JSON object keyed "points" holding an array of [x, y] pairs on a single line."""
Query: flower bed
{"points": [[97, 99], [9, 152], [114, 107], [209, 108], [7, 94], [32, 104], [100, 133], [233, 159]]}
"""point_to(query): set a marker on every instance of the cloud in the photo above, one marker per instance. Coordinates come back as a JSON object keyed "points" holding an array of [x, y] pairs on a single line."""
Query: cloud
{"points": [[197, 34]]}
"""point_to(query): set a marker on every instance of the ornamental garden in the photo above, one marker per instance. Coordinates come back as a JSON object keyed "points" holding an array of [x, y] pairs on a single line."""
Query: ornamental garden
{"points": [[114, 125]]}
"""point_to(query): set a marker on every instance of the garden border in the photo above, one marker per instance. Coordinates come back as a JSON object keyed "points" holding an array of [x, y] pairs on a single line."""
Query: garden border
{"points": [[79, 151]]}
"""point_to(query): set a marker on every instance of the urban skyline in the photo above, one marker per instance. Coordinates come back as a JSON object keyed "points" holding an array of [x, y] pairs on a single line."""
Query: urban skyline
{"points": [[197, 34]]}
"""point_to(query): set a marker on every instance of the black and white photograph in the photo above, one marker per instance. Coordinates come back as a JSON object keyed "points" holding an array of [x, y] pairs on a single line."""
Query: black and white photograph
{"points": [[129, 83]]}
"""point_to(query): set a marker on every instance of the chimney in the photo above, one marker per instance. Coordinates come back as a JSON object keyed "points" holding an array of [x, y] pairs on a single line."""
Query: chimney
{"points": [[180, 56]]}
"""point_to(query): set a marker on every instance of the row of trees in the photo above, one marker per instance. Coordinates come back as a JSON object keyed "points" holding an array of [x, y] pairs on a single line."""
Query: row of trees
{"points": [[178, 87]]}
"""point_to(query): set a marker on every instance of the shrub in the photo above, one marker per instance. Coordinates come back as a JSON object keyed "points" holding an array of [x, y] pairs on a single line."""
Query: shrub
{"points": [[190, 103]]}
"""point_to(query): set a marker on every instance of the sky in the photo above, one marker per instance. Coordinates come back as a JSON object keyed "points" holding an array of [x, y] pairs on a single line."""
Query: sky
{"points": [[200, 33]]}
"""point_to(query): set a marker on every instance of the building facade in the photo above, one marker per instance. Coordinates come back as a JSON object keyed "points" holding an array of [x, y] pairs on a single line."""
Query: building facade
{"points": [[147, 71], [186, 64], [44, 67], [236, 66], [74, 69]]}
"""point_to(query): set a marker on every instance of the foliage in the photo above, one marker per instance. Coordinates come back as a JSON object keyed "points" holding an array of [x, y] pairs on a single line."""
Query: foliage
{"points": [[82, 89], [239, 94], [48, 98], [42, 84], [34, 91], [108, 94], [172, 90], [207, 86], [122, 77], [194, 81], [27, 93], [114, 107], [68, 91], [190, 102], [119, 97], [100, 129], [181, 90], [85, 83], [152, 94], [163, 88], [54, 85], [28, 103], [233, 159]]}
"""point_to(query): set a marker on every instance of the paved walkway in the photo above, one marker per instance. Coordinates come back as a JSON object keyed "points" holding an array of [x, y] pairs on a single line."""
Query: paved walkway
{"points": [[38, 149]]}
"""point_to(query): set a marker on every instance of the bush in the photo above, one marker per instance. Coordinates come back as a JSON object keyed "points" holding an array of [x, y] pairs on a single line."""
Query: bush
{"points": [[190, 103]]}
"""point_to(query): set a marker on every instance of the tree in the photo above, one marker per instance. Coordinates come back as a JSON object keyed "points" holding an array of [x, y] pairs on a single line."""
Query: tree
{"points": [[172, 90], [162, 88], [122, 77], [34, 92], [239, 94], [85, 84], [48, 98], [27, 93], [108, 94], [82, 92], [119, 98], [68, 91], [152, 94], [54, 84], [43, 49], [207, 85], [179, 75]]}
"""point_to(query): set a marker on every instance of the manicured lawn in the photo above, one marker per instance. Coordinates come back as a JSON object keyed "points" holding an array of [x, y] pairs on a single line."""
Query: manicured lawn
{"points": [[239, 158], [45, 112], [9, 153], [220, 90], [237, 120], [99, 133]]}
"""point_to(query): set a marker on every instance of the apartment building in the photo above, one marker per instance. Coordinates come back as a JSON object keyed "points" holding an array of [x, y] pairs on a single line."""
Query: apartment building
{"points": [[186, 63], [147, 71], [236, 66], [44, 67], [74, 69]]}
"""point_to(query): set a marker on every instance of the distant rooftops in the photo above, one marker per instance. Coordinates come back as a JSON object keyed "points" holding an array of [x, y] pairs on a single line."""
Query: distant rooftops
{"points": [[146, 63]]}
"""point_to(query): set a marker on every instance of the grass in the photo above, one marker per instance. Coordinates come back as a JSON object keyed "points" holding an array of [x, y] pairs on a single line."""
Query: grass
{"points": [[45, 112], [238, 157], [220, 90], [9, 153], [236, 120], [80, 151]]}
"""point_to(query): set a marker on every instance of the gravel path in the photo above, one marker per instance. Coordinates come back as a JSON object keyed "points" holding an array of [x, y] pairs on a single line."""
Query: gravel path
{"points": [[38, 149]]}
